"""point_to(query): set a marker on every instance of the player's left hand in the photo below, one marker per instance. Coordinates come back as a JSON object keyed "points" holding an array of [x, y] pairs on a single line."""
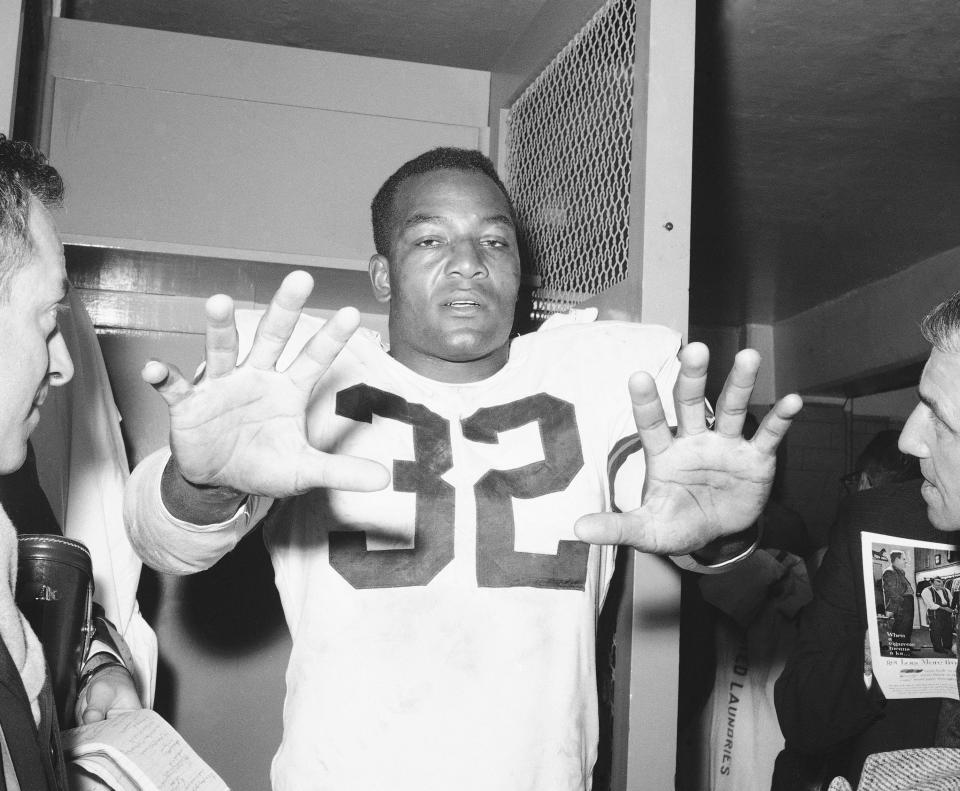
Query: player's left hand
{"points": [[702, 483], [109, 691]]}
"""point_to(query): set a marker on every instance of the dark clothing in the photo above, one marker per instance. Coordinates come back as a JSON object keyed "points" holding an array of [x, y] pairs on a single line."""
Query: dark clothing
{"points": [[895, 586], [36, 753], [941, 630], [939, 617], [24, 500], [821, 699], [898, 600]]}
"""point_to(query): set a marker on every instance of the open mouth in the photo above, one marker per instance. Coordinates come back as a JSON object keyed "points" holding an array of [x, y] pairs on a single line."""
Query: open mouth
{"points": [[462, 303]]}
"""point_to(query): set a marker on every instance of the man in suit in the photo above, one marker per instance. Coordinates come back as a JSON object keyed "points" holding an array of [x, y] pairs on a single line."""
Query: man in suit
{"points": [[939, 616], [832, 713], [898, 601], [33, 358], [932, 432]]}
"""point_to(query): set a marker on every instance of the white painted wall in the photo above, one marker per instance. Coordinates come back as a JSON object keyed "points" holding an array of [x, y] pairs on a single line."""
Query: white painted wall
{"points": [[11, 28], [191, 145], [866, 331], [895, 404]]}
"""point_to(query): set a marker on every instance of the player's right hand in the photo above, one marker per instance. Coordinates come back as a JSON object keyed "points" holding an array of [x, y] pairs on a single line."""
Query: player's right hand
{"points": [[244, 426]]}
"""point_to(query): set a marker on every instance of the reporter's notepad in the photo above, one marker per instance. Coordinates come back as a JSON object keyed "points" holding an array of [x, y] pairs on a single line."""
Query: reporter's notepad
{"points": [[139, 751]]}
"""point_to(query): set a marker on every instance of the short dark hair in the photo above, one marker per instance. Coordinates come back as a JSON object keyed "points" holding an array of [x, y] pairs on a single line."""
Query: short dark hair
{"points": [[941, 326], [382, 207], [883, 461], [24, 173], [896, 555]]}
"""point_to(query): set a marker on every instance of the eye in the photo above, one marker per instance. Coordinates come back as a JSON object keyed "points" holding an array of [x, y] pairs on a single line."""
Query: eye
{"points": [[58, 310], [941, 426], [52, 317], [428, 243], [496, 243]]}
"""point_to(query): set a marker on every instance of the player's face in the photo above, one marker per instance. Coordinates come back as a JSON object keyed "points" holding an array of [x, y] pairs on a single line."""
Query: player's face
{"points": [[452, 276], [33, 355], [932, 434]]}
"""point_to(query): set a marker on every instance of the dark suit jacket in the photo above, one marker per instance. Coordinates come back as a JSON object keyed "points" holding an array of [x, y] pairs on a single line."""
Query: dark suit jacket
{"points": [[821, 700], [36, 753]]}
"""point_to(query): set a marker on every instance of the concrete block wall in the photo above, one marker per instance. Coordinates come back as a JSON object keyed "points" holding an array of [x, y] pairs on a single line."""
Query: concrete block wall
{"points": [[822, 446]]}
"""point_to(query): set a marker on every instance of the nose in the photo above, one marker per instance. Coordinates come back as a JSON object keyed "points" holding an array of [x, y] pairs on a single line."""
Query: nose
{"points": [[466, 260], [60, 369], [912, 437]]}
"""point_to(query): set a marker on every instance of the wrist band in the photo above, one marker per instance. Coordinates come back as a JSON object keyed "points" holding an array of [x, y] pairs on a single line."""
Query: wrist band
{"points": [[690, 563], [91, 672]]}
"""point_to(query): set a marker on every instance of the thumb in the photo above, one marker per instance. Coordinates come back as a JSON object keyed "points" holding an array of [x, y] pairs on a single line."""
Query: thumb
{"points": [[93, 714], [350, 473], [635, 529], [607, 528], [92, 707], [167, 380]]}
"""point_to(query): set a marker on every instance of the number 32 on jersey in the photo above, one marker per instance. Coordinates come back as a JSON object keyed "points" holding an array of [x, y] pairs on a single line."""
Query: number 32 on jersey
{"points": [[499, 565]]}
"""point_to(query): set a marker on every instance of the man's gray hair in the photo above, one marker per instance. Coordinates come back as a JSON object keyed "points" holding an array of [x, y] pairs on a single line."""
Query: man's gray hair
{"points": [[941, 326], [24, 173]]}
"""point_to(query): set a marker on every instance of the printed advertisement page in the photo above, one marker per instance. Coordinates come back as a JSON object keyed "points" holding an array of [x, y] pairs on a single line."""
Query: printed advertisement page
{"points": [[911, 590]]}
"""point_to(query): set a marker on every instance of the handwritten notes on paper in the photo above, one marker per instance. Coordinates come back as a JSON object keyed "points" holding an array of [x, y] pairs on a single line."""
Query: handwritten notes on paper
{"points": [[139, 751]]}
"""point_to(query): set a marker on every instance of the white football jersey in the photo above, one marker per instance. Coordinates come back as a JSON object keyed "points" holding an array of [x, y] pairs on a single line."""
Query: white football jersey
{"points": [[444, 628]]}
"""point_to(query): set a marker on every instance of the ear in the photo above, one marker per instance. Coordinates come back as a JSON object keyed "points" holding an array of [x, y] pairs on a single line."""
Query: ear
{"points": [[379, 269]]}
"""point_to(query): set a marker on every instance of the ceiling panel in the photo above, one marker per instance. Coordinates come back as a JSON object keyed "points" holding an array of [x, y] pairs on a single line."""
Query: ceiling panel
{"points": [[827, 132], [462, 33], [827, 139]]}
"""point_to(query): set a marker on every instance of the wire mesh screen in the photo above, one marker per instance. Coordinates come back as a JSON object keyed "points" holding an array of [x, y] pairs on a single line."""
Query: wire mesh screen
{"points": [[568, 162]]}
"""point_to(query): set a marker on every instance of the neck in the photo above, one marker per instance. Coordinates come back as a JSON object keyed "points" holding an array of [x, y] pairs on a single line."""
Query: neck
{"points": [[453, 371]]}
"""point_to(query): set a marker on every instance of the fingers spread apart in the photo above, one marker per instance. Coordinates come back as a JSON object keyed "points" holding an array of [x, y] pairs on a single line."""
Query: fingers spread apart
{"points": [[774, 426], [321, 350], [735, 397], [278, 322], [220, 354], [655, 434], [688, 392], [167, 380]]}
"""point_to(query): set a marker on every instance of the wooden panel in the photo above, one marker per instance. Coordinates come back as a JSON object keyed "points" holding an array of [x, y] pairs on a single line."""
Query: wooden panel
{"points": [[147, 292], [226, 176], [99, 269]]}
